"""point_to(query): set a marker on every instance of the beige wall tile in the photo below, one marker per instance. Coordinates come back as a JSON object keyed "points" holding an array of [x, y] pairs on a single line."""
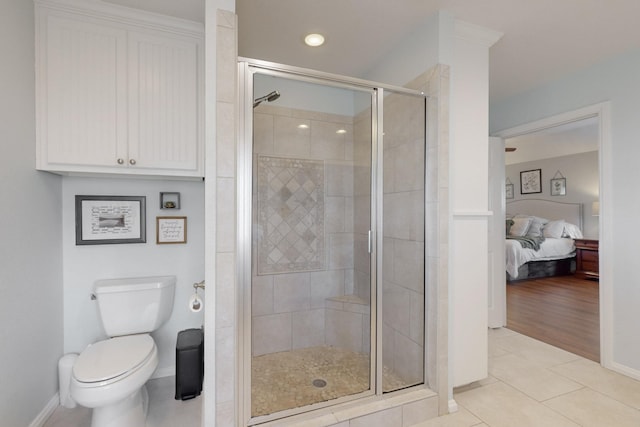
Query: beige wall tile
{"points": [[262, 295], [341, 250], [386, 418], [225, 290], [263, 129], [344, 329], [325, 284], [308, 328], [271, 333], [289, 139], [291, 292], [408, 359], [325, 142]]}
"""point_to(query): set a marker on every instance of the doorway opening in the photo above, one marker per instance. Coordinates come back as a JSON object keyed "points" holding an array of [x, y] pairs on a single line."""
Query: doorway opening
{"points": [[578, 158]]}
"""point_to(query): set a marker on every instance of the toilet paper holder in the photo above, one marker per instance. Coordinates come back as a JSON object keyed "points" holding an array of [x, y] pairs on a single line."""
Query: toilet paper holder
{"points": [[195, 302]]}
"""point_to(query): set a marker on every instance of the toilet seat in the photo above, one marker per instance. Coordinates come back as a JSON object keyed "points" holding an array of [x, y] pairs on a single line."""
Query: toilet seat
{"points": [[110, 360]]}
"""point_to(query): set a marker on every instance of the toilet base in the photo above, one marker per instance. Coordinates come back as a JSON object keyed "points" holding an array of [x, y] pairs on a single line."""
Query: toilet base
{"points": [[128, 412]]}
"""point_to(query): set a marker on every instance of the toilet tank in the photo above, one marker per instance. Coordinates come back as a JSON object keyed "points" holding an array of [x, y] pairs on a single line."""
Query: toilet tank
{"points": [[134, 305]]}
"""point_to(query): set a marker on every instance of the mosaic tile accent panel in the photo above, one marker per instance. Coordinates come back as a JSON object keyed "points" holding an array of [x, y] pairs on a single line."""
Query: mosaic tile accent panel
{"points": [[290, 215]]}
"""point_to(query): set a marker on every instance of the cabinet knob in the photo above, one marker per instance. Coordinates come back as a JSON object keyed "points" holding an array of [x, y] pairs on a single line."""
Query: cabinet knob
{"points": [[120, 161], [132, 162]]}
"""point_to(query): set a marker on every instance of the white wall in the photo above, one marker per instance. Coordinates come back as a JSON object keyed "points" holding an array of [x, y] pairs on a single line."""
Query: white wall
{"points": [[85, 264], [614, 80], [581, 172], [30, 248]]}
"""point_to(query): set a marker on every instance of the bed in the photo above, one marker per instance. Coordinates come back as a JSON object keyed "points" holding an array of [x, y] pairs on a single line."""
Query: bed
{"points": [[554, 226]]}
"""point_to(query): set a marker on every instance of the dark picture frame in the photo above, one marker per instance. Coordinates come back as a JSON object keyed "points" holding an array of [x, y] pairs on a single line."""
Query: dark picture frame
{"points": [[530, 181], [104, 220]]}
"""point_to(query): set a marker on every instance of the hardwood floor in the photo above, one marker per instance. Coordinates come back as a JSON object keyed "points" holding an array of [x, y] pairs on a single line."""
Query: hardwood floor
{"points": [[562, 311]]}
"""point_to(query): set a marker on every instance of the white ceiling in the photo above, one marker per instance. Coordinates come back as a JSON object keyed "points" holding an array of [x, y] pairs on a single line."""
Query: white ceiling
{"points": [[572, 138], [543, 39]]}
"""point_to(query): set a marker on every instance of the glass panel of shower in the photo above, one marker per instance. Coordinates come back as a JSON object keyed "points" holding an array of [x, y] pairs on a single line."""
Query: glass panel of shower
{"points": [[335, 271], [403, 253], [311, 280]]}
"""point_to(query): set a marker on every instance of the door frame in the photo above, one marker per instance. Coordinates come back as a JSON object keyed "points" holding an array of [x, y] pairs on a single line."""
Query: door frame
{"points": [[605, 222]]}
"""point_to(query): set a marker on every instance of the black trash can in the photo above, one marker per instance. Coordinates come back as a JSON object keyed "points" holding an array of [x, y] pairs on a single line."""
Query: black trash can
{"points": [[189, 363]]}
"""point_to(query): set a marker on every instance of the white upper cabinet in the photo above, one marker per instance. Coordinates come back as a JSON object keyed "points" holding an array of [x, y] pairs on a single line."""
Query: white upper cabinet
{"points": [[118, 91]]}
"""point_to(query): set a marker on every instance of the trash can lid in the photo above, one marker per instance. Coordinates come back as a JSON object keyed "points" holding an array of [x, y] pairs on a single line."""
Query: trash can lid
{"points": [[189, 338]]}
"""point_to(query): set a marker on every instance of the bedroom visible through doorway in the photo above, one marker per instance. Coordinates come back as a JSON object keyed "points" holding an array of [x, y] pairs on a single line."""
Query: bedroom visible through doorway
{"points": [[549, 299]]}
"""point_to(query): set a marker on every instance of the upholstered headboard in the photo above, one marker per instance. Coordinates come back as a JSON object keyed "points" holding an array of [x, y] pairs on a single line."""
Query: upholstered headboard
{"points": [[570, 212]]}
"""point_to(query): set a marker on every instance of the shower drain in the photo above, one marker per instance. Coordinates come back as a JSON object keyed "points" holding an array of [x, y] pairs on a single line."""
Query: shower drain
{"points": [[319, 383]]}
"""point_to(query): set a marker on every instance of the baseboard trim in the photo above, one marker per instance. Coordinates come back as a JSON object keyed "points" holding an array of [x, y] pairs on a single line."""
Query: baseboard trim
{"points": [[625, 370], [164, 372], [453, 406], [46, 412]]}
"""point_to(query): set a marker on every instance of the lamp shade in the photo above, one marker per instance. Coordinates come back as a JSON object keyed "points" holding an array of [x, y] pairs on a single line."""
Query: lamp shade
{"points": [[595, 208]]}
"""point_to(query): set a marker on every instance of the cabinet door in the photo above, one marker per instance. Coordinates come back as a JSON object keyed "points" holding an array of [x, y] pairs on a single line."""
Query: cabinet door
{"points": [[163, 102], [82, 96]]}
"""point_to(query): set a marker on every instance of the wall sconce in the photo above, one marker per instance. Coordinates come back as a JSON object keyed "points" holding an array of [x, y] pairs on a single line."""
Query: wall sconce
{"points": [[595, 208]]}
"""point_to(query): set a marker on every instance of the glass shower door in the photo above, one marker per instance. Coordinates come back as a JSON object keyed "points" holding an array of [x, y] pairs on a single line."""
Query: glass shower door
{"points": [[311, 262]]}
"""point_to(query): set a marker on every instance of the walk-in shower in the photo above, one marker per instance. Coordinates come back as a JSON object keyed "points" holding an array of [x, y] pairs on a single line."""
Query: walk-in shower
{"points": [[332, 246]]}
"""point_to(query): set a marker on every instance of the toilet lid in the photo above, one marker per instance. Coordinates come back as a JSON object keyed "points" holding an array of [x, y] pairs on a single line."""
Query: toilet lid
{"points": [[111, 358]]}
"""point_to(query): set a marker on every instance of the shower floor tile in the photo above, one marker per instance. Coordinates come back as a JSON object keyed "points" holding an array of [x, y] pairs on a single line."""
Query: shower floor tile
{"points": [[286, 380]]}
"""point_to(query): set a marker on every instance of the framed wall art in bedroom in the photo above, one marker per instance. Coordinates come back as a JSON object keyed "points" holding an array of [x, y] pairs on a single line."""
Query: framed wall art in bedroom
{"points": [[530, 181]]}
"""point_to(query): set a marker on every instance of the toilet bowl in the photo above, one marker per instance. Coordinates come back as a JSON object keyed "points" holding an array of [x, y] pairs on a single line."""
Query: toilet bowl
{"points": [[109, 376]]}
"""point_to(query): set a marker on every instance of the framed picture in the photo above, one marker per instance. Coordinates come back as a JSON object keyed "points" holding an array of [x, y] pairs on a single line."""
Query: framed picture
{"points": [[559, 187], [169, 200], [509, 191], [530, 181], [171, 229], [110, 219]]}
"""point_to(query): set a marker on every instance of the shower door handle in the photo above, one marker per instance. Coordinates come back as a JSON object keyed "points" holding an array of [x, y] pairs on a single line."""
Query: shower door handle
{"points": [[369, 242]]}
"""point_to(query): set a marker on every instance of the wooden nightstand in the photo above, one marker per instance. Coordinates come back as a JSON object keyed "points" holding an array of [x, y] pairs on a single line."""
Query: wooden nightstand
{"points": [[587, 259]]}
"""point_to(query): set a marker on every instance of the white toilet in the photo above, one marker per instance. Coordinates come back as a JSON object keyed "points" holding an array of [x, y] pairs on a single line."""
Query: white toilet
{"points": [[110, 375]]}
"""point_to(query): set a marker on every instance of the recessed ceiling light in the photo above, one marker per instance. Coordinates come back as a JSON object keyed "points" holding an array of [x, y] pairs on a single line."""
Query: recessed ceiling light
{"points": [[303, 126], [341, 131], [314, 40]]}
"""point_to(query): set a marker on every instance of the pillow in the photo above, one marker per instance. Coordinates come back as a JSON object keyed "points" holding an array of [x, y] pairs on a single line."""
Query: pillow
{"points": [[535, 229], [520, 226], [572, 231], [553, 229], [509, 224]]}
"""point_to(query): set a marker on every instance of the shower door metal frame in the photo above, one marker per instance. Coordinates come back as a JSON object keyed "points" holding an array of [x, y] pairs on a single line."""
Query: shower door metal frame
{"points": [[246, 69]]}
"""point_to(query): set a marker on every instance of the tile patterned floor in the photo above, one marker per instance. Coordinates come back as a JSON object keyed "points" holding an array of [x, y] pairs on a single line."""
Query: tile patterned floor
{"points": [[530, 383], [534, 384]]}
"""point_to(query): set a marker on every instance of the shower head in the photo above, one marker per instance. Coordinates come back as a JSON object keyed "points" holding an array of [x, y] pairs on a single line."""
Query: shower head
{"points": [[269, 98]]}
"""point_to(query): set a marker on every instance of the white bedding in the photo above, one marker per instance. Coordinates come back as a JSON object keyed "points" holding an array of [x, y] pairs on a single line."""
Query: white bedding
{"points": [[550, 249]]}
